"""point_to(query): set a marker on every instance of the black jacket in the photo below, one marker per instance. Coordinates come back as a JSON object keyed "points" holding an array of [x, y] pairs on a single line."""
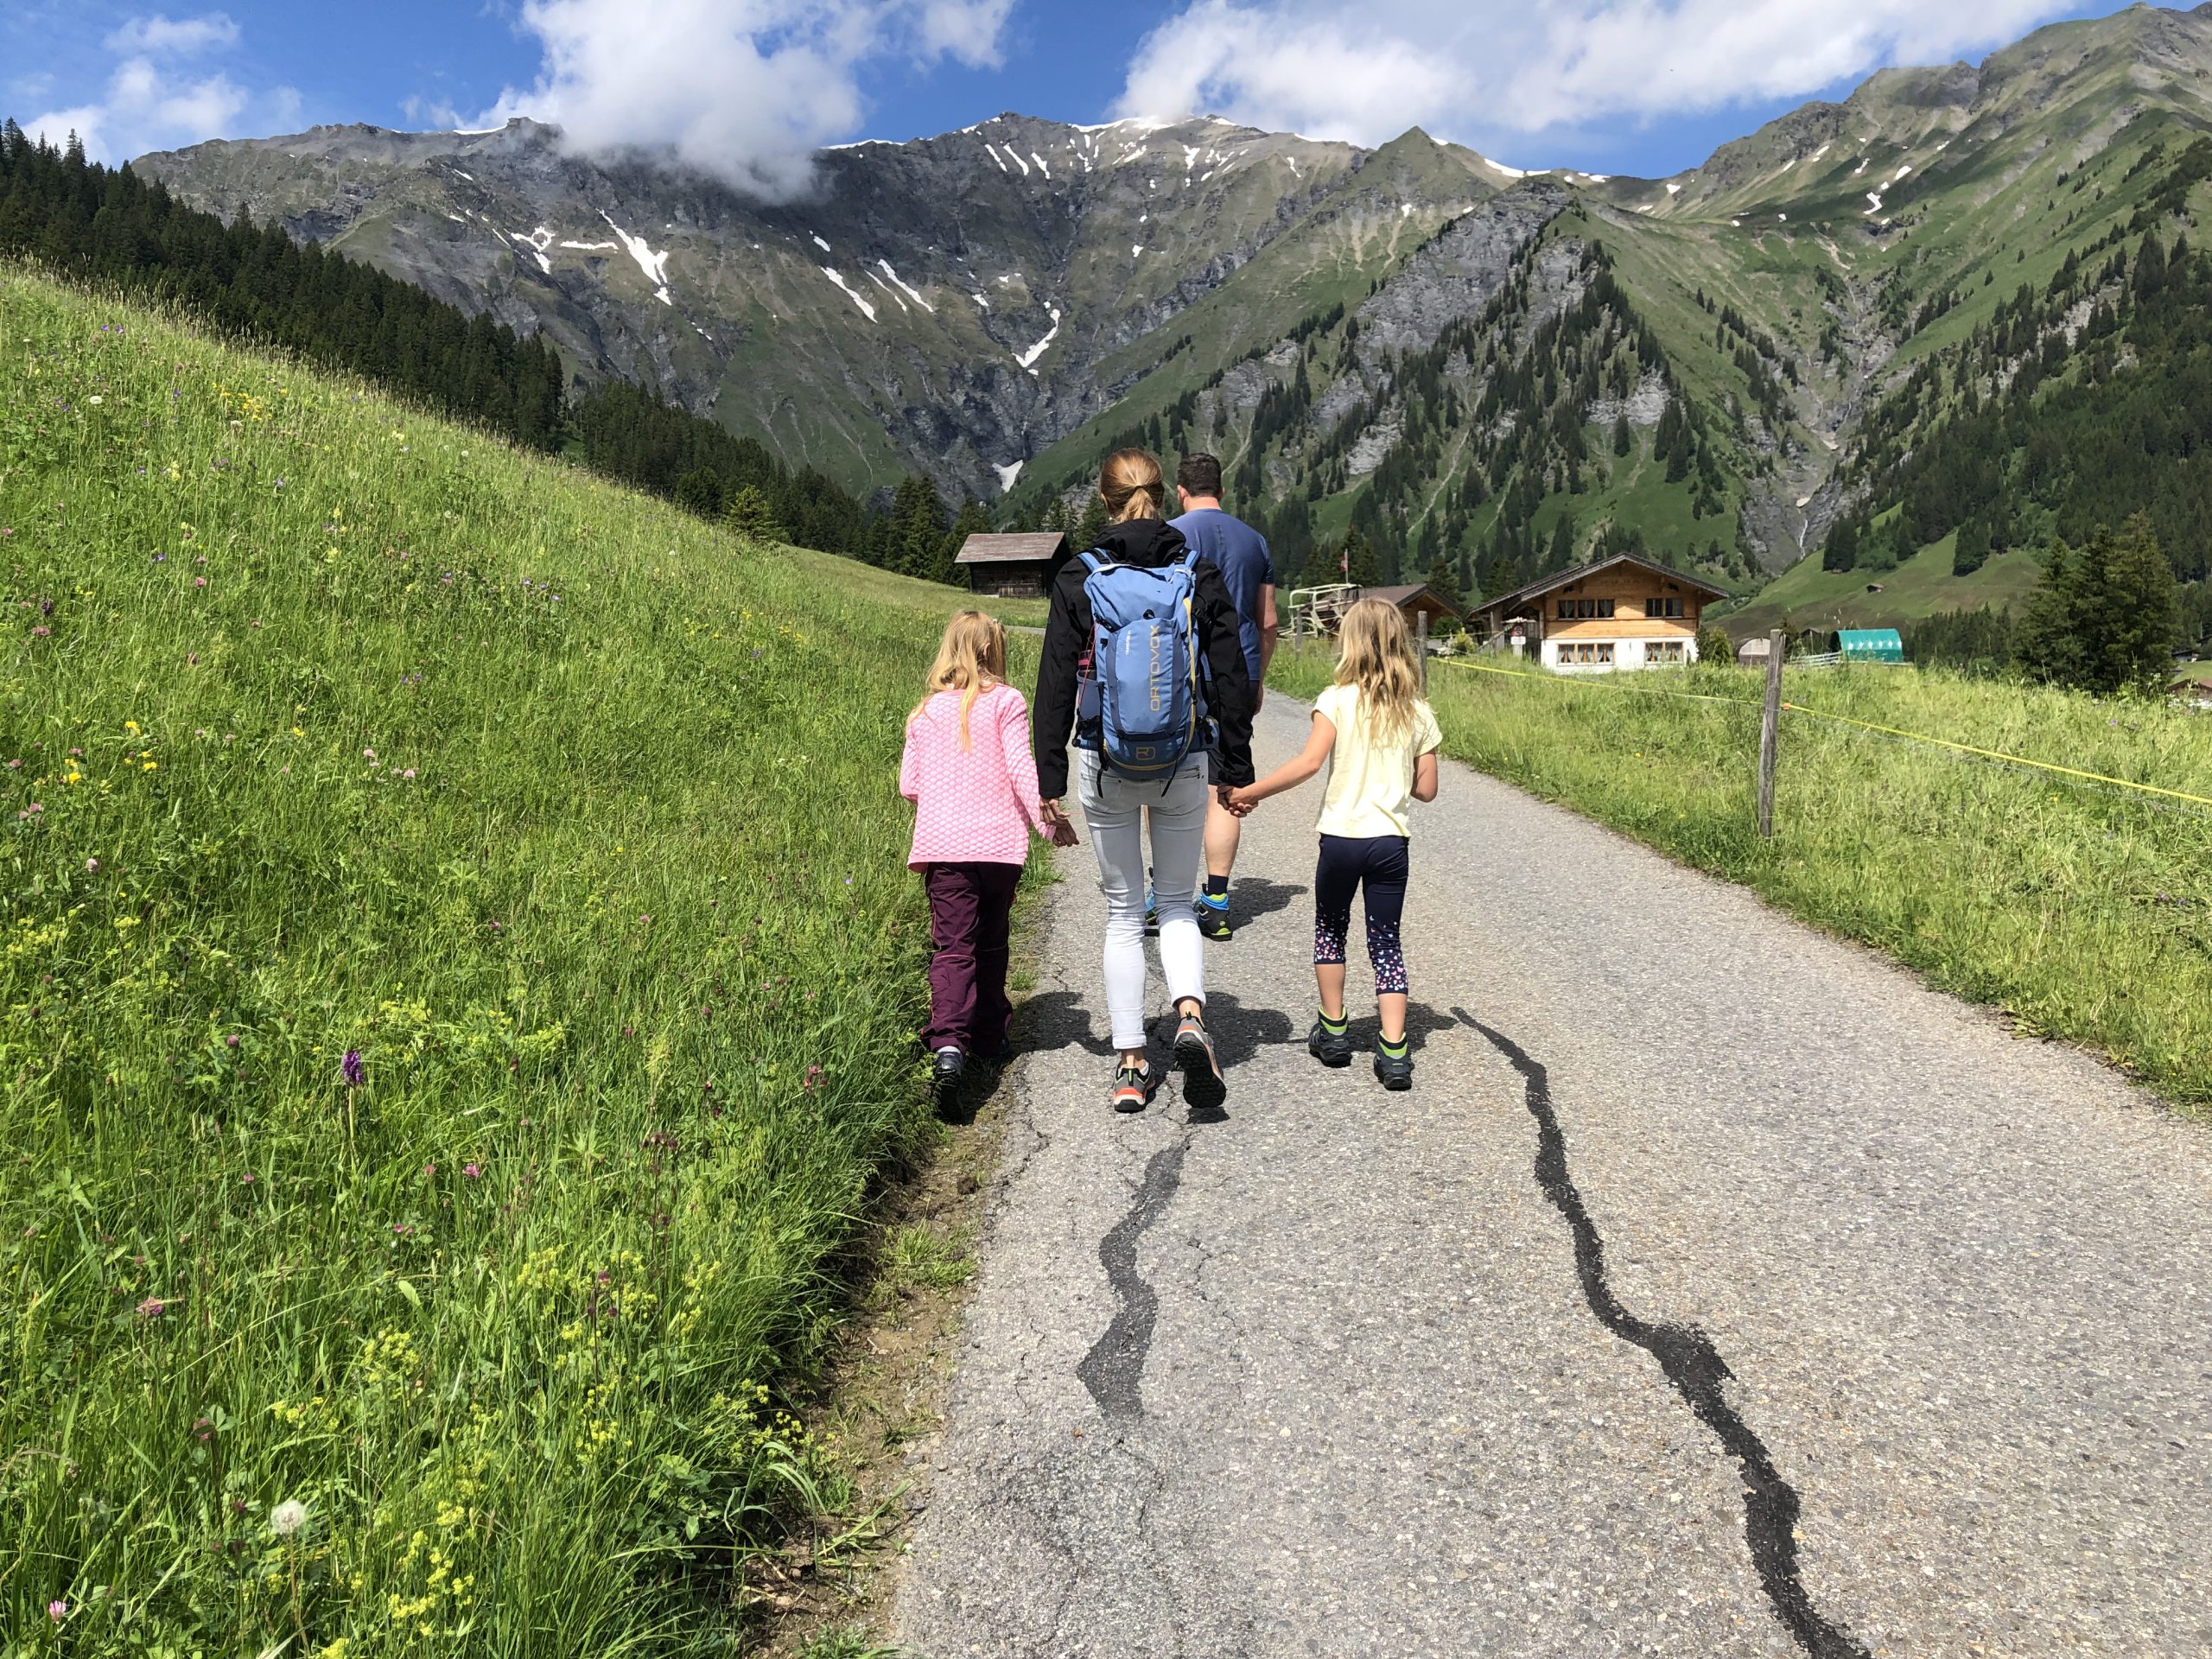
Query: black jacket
{"points": [[1150, 542]]}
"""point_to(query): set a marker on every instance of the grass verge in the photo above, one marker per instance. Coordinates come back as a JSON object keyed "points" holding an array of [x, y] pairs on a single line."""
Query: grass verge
{"points": [[2084, 913], [457, 992]]}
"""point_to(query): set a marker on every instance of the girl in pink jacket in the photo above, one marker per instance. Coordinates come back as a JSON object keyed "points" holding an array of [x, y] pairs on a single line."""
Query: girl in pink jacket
{"points": [[970, 771]]}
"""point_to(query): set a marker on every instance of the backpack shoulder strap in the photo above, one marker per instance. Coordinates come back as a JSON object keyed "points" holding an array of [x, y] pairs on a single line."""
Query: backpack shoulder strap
{"points": [[1097, 562]]}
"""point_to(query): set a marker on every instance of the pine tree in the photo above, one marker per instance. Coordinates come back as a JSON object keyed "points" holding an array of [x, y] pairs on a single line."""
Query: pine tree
{"points": [[1090, 526], [1443, 581], [1356, 559], [1843, 550], [2103, 618], [1624, 440], [747, 514]]}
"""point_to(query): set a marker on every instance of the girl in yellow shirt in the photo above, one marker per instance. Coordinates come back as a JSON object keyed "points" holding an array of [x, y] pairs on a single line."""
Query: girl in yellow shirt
{"points": [[1379, 738]]}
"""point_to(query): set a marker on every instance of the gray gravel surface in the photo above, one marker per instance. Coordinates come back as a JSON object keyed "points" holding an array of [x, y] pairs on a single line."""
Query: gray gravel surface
{"points": [[1718, 1290]]}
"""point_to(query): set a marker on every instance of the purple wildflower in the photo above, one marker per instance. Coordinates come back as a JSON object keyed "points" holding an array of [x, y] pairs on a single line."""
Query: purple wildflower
{"points": [[152, 1308], [351, 1070]]}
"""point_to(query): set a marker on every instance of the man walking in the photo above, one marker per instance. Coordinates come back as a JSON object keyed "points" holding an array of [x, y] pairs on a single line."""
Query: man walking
{"points": [[1240, 552]]}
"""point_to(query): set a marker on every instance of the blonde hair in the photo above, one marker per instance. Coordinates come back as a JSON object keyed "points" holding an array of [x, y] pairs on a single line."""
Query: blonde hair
{"points": [[1132, 485], [971, 659], [1374, 652]]}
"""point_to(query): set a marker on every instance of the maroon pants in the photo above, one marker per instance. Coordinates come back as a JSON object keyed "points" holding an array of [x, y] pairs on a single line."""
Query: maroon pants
{"points": [[970, 905]]}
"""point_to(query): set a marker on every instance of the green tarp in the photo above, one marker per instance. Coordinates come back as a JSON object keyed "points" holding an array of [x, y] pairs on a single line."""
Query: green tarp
{"points": [[1871, 646]]}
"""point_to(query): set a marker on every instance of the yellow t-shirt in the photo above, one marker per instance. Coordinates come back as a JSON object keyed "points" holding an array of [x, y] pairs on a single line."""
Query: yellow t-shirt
{"points": [[1370, 783]]}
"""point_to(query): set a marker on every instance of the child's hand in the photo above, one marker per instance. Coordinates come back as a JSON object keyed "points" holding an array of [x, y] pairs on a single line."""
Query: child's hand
{"points": [[1240, 802]]}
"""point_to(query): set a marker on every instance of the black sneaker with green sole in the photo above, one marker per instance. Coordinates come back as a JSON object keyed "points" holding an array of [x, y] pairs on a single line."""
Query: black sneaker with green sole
{"points": [[1203, 1088], [1331, 1048], [1394, 1072]]}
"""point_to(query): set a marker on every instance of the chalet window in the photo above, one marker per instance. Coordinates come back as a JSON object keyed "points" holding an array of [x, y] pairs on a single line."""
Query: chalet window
{"points": [[1572, 610], [1662, 607], [1586, 653], [1567, 610], [1663, 650]]}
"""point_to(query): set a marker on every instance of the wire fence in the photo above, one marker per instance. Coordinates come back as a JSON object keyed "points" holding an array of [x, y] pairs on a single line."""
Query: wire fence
{"points": [[2078, 777]]}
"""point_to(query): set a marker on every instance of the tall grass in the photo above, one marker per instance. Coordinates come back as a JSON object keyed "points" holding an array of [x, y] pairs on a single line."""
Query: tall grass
{"points": [[2084, 912], [458, 981]]}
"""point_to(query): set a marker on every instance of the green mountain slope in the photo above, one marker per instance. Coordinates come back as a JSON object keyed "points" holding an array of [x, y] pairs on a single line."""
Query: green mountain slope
{"points": [[332, 729]]}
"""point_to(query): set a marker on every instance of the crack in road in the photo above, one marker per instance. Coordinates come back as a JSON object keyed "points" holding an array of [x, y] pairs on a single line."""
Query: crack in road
{"points": [[1697, 1373], [1113, 1368]]}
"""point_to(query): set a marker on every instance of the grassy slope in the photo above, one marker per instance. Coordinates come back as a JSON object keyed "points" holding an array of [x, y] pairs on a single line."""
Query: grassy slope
{"points": [[2085, 914], [574, 819], [1811, 597]]}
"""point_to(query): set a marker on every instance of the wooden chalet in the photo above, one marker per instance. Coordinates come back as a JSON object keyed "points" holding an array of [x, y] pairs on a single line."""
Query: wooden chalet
{"points": [[1620, 612], [1418, 600], [1013, 567]]}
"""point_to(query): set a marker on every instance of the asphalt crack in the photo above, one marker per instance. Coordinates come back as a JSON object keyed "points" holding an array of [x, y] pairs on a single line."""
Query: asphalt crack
{"points": [[1114, 1365], [1693, 1366]]}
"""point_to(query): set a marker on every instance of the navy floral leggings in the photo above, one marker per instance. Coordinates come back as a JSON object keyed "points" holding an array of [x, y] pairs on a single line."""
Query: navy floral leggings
{"points": [[1379, 863]]}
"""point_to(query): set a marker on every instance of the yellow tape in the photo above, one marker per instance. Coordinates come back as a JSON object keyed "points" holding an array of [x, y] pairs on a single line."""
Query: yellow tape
{"points": [[1847, 719]]}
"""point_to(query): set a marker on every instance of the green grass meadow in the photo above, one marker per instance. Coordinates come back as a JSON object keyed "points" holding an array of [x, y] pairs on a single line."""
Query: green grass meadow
{"points": [[2084, 912], [332, 731]]}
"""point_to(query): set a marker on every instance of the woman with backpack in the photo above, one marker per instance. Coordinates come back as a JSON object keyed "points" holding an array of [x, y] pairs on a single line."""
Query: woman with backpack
{"points": [[1144, 666]]}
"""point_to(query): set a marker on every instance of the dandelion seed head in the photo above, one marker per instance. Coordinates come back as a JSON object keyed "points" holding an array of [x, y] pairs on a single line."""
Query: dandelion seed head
{"points": [[288, 1518]]}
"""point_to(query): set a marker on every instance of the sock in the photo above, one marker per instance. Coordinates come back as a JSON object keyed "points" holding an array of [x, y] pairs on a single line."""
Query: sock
{"points": [[950, 1048], [1216, 886], [1394, 1049], [1336, 1026]]}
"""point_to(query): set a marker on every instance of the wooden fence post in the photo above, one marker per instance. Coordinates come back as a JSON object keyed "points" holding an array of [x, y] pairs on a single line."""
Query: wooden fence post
{"points": [[1420, 645], [1769, 733]]}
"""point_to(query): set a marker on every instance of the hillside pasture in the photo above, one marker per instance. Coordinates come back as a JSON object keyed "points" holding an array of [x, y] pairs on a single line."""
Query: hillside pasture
{"points": [[459, 984]]}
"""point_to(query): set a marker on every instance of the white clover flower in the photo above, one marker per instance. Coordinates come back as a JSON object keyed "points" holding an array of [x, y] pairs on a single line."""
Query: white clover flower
{"points": [[288, 1518]]}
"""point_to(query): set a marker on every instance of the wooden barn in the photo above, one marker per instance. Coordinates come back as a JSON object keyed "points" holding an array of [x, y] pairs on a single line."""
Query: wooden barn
{"points": [[1417, 599], [1620, 612], [1013, 567]]}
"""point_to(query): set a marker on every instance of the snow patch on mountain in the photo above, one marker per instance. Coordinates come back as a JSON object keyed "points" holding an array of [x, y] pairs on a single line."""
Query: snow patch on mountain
{"points": [[886, 266], [1041, 167], [599, 247], [1028, 359], [655, 265], [886, 287], [820, 243], [860, 299], [1007, 475]]}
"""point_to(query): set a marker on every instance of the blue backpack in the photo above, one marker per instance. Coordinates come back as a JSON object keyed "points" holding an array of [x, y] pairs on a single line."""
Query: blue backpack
{"points": [[1140, 700]]}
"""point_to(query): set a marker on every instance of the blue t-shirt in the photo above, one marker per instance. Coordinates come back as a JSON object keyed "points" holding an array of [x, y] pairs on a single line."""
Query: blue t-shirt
{"points": [[1240, 552]]}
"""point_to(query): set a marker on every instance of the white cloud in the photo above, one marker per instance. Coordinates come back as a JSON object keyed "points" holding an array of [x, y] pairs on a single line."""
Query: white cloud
{"points": [[184, 37], [149, 104], [1467, 69], [742, 89]]}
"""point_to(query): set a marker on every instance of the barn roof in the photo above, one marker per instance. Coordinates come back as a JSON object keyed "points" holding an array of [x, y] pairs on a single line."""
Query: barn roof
{"points": [[1038, 549], [1406, 594], [1543, 585]]}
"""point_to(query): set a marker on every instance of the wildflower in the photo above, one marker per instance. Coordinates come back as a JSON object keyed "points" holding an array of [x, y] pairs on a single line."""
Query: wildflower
{"points": [[152, 1308], [248, 1177], [430, 1169], [57, 1611], [41, 632], [351, 1069], [95, 402], [91, 866], [410, 772], [200, 581], [232, 1040], [368, 754], [471, 1171], [288, 1518]]}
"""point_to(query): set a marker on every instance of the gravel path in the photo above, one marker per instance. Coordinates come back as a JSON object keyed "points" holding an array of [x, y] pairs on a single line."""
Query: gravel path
{"points": [[1718, 1290]]}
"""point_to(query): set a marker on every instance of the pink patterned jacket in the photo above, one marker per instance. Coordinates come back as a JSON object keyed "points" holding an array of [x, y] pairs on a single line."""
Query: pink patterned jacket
{"points": [[977, 806]]}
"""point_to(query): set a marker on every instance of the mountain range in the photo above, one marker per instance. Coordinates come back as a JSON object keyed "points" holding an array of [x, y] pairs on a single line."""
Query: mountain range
{"points": [[1480, 371]]}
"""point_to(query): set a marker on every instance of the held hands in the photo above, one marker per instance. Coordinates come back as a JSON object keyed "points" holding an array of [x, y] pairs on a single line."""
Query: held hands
{"points": [[1237, 803], [1059, 827]]}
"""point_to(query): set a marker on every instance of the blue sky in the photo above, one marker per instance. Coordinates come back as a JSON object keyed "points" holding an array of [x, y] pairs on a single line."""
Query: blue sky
{"points": [[1639, 86]]}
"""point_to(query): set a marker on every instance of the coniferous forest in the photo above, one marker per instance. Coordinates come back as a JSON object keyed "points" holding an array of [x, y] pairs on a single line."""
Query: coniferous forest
{"points": [[100, 224]]}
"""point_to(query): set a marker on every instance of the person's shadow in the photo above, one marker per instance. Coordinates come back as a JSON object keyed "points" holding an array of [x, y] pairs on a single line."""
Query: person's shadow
{"points": [[1254, 897]]}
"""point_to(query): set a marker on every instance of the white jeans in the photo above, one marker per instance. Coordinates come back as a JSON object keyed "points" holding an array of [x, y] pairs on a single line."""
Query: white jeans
{"points": [[1116, 810]]}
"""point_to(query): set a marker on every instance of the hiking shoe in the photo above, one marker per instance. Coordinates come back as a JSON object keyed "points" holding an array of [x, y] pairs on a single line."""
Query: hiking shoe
{"points": [[1331, 1048], [949, 1072], [1213, 916], [1394, 1072], [1134, 1088], [1203, 1087]]}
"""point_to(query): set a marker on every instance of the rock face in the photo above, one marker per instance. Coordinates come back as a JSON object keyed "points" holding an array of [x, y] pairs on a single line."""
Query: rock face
{"points": [[951, 305]]}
